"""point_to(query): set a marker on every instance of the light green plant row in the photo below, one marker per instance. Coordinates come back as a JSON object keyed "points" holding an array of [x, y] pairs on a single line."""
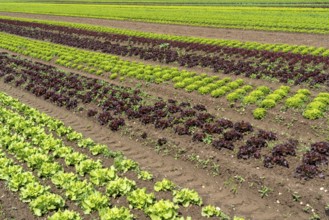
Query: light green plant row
{"points": [[30, 122], [188, 2], [299, 99], [266, 100], [298, 49], [306, 20], [317, 107]]}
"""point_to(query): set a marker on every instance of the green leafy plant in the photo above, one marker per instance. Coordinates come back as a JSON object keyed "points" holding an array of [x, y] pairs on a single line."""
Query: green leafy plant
{"points": [[234, 84], [145, 175], [98, 149], [62, 179], [264, 89], [238, 218], [113, 76], [62, 151], [250, 99], [313, 113], [186, 197], [162, 210], [218, 92], [295, 101], [115, 214], [234, 96], [35, 161], [264, 191], [125, 165], [304, 92], [7, 172], [296, 197], [74, 136], [74, 158], [19, 180], [32, 191], [94, 201], [259, 113], [46, 202], [77, 190], [164, 185], [139, 199], [317, 107], [315, 216], [87, 165], [274, 97], [205, 90], [212, 211], [120, 187], [268, 103], [192, 87], [103, 175], [65, 215], [49, 169], [86, 143]]}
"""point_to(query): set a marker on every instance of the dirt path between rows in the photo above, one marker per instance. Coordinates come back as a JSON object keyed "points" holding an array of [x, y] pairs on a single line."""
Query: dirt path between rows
{"points": [[316, 40]]}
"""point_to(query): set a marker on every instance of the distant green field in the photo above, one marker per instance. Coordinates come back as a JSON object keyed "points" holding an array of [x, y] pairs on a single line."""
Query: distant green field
{"points": [[313, 3], [308, 20]]}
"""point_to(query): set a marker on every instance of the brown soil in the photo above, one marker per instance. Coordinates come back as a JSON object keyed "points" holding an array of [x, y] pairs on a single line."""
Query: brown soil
{"points": [[316, 40], [247, 202], [11, 207]]}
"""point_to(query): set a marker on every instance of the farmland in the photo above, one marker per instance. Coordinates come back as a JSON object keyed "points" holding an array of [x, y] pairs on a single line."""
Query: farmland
{"points": [[124, 110], [263, 3], [305, 20]]}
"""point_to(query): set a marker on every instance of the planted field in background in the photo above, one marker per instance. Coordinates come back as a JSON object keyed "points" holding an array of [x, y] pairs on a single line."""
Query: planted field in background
{"points": [[306, 20]]}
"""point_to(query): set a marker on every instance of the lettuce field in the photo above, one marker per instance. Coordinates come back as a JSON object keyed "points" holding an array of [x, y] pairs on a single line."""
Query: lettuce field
{"points": [[164, 110]]}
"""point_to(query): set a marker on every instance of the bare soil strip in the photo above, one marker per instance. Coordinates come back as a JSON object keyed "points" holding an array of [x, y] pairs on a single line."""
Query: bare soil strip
{"points": [[316, 40]]}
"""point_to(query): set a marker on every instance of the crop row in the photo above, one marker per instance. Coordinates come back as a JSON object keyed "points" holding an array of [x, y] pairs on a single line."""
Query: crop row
{"points": [[25, 138], [97, 63], [307, 20], [286, 3], [286, 67], [116, 105]]}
